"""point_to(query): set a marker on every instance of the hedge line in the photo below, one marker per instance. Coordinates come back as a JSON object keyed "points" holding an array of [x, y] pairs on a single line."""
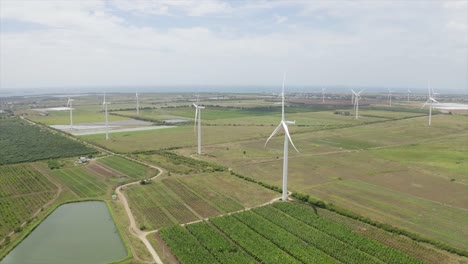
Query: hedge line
{"points": [[395, 230], [331, 207]]}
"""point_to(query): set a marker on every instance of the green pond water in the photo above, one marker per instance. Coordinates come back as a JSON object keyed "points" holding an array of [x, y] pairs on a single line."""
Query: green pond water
{"points": [[81, 233]]}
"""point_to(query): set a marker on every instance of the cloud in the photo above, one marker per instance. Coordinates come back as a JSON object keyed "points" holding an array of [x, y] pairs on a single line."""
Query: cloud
{"points": [[280, 19], [169, 7], [93, 43]]}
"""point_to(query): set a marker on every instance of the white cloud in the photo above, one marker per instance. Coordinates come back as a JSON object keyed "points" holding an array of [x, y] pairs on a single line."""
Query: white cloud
{"points": [[353, 43], [171, 7], [280, 19]]}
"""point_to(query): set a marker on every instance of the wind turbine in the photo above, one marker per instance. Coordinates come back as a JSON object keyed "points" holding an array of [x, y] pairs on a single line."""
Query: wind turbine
{"points": [[431, 100], [389, 96], [356, 96], [352, 96], [409, 91], [287, 137], [137, 104], [70, 105], [198, 116], [104, 103], [323, 94]]}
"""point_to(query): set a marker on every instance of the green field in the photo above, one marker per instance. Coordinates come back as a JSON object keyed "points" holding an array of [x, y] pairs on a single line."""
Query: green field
{"points": [[183, 136], [23, 191], [423, 216], [388, 166], [405, 158], [178, 200], [81, 181], [129, 168], [23, 142], [281, 233]]}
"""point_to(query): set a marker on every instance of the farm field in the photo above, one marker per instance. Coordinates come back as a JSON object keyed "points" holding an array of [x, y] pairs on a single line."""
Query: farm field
{"points": [[129, 168], [423, 216], [395, 160], [278, 233], [221, 125], [178, 200], [173, 137], [81, 181], [22, 142], [23, 191], [388, 166]]}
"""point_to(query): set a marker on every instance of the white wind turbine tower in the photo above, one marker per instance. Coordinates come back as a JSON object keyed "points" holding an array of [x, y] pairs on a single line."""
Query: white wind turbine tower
{"points": [[287, 137], [104, 103], [198, 120], [356, 96], [389, 96], [137, 104], [409, 91], [70, 105], [323, 95], [431, 100]]}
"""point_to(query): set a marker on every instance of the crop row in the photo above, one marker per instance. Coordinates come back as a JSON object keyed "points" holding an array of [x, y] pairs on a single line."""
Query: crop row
{"points": [[328, 244], [252, 242], [281, 233], [307, 215], [148, 211], [185, 246], [288, 242], [16, 137], [171, 200], [165, 206], [219, 246], [208, 190], [131, 169], [22, 179], [15, 210], [80, 182], [202, 207]]}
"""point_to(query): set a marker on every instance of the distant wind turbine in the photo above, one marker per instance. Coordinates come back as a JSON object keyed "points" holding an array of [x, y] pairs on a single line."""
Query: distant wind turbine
{"points": [[389, 97], [352, 96], [197, 119], [430, 100], [104, 103], [137, 104], [357, 96], [323, 95], [409, 91], [70, 105], [287, 137]]}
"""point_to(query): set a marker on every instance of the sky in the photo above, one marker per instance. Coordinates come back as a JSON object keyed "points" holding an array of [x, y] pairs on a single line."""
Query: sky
{"points": [[398, 44]]}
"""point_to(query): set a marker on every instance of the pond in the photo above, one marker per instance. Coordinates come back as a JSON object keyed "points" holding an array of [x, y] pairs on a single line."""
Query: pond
{"points": [[74, 233]]}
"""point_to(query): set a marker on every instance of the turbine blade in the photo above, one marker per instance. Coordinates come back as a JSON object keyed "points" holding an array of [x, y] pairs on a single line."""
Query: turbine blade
{"points": [[425, 104], [274, 132], [287, 134], [360, 92]]}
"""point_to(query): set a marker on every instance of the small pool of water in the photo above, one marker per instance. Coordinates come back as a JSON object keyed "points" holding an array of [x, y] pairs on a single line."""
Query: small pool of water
{"points": [[74, 233]]}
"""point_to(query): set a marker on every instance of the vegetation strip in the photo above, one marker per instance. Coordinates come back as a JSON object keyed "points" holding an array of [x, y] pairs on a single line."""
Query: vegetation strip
{"points": [[185, 246], [341, 232], [221, 248], [265, 250]]}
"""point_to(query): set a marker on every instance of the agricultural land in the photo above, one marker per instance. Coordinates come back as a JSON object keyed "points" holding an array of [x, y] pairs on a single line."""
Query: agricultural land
{"points": [[384, 188]]}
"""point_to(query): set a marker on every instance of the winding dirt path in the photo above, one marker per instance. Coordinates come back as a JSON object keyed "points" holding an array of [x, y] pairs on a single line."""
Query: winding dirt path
{"points": [[134, 230]]}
